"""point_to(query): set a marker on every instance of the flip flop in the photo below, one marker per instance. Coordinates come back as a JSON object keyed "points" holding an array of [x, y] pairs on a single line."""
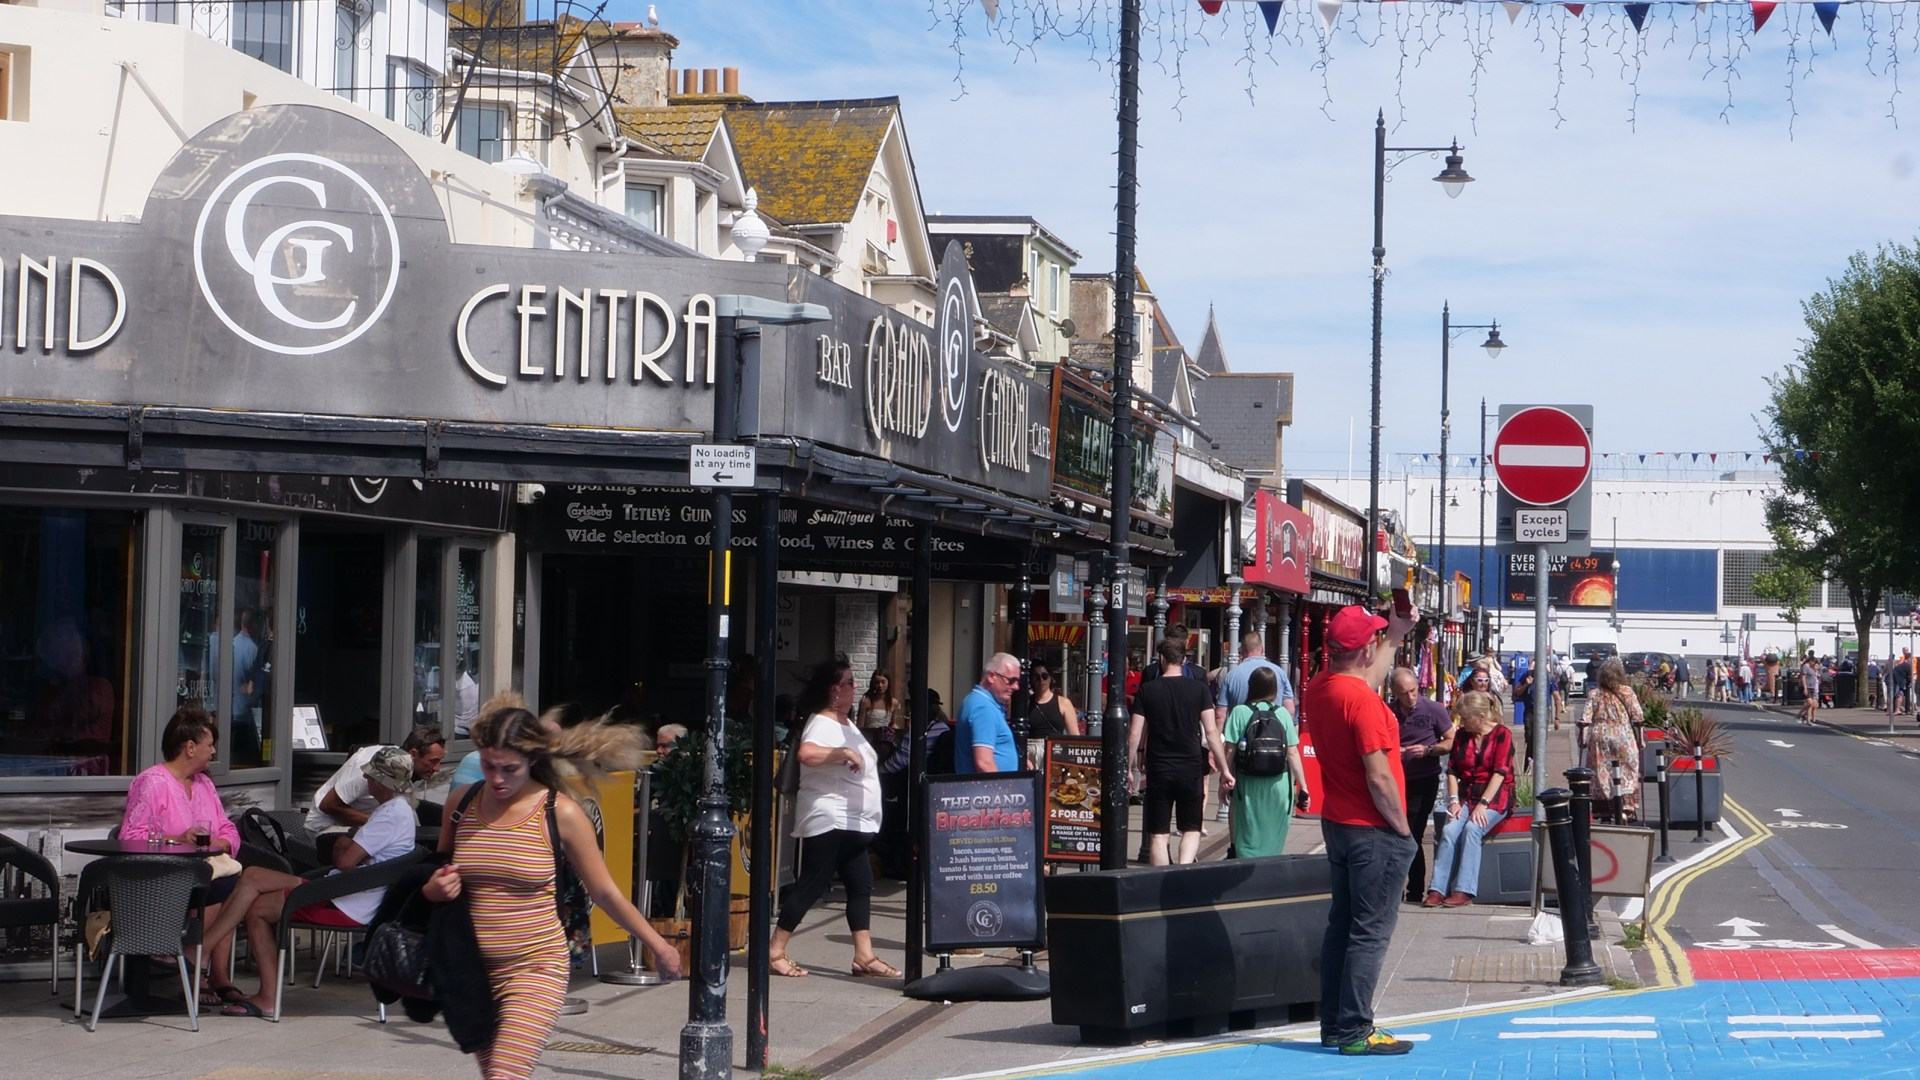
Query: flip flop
{"points": [[214, 997], [785, 967], [243, 1007]]}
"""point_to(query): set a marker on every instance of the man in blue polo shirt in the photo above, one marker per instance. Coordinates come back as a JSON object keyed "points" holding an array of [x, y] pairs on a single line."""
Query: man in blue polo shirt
{"points": [[982, 741]]}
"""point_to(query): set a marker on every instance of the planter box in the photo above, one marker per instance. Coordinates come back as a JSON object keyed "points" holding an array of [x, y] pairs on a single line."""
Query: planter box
{"points": [[1653, 739], [1682, 802], [1181, 951], [1506, 863]]}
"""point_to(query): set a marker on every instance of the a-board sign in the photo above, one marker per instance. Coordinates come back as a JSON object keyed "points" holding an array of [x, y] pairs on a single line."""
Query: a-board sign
{"points": [[1622, 861], [982, 864], [307, 732], [1072, 788]]}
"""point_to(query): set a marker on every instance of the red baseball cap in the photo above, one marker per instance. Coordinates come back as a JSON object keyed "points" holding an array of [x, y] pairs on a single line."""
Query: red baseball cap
{"points": [[1352, 627]]}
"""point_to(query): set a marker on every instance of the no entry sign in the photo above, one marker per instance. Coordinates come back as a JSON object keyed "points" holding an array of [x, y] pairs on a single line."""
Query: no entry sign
{"points": [[1542, 455]]}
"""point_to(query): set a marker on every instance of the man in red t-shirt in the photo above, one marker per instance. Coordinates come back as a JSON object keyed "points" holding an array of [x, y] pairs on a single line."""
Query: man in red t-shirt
{"points": [[1363, 820]]}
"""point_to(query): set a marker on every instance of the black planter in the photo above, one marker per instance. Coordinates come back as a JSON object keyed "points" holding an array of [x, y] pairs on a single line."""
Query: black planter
{"points": [[1179, 951]]}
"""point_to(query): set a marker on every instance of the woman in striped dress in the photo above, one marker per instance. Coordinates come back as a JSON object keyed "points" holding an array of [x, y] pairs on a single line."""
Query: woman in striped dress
{"points": [[504, 863]]}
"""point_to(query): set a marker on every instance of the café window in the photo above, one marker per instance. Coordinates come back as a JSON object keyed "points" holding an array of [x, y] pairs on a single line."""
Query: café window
{"points": [[448, 619], [68, 590], [250, 739]]}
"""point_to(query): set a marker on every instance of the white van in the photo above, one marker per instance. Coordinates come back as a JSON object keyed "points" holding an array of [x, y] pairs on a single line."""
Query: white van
{"points": [[1591, 647]]}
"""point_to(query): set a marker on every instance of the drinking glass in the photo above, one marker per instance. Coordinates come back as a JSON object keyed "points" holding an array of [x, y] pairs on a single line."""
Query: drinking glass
{"points": [[202, 834]]}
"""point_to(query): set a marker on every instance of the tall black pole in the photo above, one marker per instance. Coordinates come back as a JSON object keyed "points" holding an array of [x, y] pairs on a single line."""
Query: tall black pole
{"points": [[1114, 776], [1379, 280], [706, 1043], [919, 655], [766, 645], [1020, 601], [1446, 593]]}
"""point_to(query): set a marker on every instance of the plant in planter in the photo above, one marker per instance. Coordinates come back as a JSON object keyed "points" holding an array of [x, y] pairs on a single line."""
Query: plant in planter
{"points": [[679, 779], [1695, 783], [1689, 729]]}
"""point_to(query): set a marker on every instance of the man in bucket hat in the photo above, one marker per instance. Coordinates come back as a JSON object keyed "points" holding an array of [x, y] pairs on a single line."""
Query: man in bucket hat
{"points": [[1363, 820], [261, 896]]}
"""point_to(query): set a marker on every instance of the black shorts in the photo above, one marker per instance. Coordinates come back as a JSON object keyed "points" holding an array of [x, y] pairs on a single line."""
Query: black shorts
{"points": [[1167, 798]]}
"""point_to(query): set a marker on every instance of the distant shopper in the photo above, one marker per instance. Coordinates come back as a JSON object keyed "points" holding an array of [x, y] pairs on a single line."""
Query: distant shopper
{"points": [[1363, 820], [1683, 676], [983, 742], [1051, 717], [1615, 740], [1174, 715], [1743, 680], [1426, 738], [1809, 689], [1902, 680], [878, 705], [1479, 797], [1234, 685], [1269, 781]]}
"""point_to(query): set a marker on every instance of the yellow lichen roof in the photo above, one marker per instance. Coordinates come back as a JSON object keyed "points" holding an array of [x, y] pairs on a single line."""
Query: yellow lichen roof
{"points": [[680, 131], [809, 160]]}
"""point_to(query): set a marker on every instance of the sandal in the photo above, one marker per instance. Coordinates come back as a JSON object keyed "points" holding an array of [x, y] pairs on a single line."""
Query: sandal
{"points": [[243, 1007], [214, 997], [780, 965], [875, 968]]}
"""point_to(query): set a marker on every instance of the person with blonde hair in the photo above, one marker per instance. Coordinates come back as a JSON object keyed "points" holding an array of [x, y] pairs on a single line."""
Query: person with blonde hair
{"points": [[505, 863], [1479, 796]]}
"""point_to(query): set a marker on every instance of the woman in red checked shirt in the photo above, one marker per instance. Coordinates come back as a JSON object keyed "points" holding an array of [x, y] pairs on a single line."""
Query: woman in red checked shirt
{"points": [[1479, 797]]}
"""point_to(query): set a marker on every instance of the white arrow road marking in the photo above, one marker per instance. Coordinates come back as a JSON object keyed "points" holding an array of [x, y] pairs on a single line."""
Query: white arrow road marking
{"points": [[1814, 1020], [1742, 927], [1786, 812], [1780, 744], [1553, 1021], [1852, 939], [1814, 1033]]}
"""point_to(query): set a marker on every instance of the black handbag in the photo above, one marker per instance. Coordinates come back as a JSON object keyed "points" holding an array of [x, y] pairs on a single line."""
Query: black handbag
{"points": [[397, 961]]}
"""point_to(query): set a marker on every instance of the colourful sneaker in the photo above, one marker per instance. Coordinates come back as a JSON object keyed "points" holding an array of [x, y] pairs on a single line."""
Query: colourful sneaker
{"points": [[1377, 1044]]}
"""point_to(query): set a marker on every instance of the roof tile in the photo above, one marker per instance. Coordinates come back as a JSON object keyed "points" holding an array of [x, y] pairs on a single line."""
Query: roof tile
{"points": [[809, 160]]}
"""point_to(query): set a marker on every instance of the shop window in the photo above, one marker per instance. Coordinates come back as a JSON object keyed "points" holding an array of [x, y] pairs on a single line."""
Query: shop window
{"points": [[468, 609], [263, 29], [67, 598], [251, 732], [427, 633], [448, 614], [197, 658], [338, 624], [483, 131]]}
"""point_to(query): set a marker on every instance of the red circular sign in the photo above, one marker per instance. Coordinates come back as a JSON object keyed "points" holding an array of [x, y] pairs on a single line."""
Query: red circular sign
{"points": [[1542, 455]]}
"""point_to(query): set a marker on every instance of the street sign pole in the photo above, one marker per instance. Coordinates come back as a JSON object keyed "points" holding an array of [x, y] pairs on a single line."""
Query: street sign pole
{"points": [[1537, 744]]}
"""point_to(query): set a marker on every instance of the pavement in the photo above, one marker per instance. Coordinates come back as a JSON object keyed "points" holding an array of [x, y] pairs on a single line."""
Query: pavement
{"points": [[1464, 971]]}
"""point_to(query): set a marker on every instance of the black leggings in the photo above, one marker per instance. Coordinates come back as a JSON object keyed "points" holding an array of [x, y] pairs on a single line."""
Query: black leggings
{"points": [[820, 856]]}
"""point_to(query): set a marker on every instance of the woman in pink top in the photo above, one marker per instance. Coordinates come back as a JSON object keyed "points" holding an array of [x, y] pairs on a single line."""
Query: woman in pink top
{"points": [[174, 801]]}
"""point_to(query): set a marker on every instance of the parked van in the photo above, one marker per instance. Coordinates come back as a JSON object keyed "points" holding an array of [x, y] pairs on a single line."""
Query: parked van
{"points": [[1590, 648]]}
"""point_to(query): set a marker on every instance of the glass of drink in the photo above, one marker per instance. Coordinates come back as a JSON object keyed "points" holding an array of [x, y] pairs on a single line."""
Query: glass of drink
{"points": [[202, 834]]}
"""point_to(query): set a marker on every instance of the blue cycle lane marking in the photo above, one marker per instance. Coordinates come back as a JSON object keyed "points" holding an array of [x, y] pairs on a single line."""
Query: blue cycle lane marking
{"points": [[1851, 1028]]}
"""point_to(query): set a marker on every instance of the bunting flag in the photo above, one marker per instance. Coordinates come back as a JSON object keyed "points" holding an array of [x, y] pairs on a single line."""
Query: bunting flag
{"points": [[1329, 11], [1270, 9], [1762, 11], [1826, 13], [993, 9], [1713, 459], [1576, 9], [1643, 457], [1211, 7], [1638, 13], [1513, 10], [1764, 458]]}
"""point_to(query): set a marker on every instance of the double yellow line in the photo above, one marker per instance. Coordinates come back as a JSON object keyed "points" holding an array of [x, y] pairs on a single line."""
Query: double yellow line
{"points": [[1670, 966]]}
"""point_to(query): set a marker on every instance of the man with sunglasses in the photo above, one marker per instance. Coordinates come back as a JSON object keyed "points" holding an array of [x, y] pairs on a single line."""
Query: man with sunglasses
{"points": [[982, 740]]}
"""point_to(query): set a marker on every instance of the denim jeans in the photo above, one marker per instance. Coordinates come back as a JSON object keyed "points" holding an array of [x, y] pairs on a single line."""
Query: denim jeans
{"points": [[1461, 840], [1369, 876]]}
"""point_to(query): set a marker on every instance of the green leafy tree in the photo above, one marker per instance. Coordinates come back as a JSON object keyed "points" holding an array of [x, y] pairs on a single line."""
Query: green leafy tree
{"points": [[1788, 582], [1840, 422]]}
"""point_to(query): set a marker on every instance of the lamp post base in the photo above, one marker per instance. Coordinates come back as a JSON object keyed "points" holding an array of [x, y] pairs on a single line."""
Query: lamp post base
{"points": [[706, 1052]]}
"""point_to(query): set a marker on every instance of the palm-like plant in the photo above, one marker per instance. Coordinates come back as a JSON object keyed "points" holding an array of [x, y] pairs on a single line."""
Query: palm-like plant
{"points": [[1690, 729]]}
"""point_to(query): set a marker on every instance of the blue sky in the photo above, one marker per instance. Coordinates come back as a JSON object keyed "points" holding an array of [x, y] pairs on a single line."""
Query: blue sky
{"points": [[1647, 255]]}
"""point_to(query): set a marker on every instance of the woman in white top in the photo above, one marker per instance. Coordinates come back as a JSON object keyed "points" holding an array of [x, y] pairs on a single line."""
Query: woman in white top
{"points": [[836, 814]]}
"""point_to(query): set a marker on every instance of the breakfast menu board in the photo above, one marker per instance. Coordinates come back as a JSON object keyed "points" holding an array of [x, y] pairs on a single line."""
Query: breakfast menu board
{"points": [[1072, 822], [983, 881]]}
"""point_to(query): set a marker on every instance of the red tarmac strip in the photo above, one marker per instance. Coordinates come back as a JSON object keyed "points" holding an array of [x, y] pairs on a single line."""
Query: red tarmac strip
{"points": [[1751, 964]]}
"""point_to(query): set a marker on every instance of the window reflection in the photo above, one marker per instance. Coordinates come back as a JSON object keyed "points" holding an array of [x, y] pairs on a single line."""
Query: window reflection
{"points": [[250, 739]]}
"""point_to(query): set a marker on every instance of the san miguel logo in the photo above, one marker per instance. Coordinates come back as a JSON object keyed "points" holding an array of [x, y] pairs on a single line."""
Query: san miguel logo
{"points": [[296, 254], [953, 329]]}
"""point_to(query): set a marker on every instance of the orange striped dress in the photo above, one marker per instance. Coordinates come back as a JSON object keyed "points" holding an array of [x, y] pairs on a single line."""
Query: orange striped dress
{"points": [[506, 871]]}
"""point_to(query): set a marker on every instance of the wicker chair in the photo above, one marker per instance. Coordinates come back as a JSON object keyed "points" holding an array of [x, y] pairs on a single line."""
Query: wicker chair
{"points": [[323, 887], [154, 899], [32, 911]]}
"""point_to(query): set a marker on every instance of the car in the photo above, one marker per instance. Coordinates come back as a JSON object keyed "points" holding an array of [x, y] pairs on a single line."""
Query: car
{"points": [[1585, 655]]}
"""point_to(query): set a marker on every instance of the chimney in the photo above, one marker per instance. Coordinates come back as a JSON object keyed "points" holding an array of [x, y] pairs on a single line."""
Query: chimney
{"points": [[689, 82], [731, 81], [709, 81]]}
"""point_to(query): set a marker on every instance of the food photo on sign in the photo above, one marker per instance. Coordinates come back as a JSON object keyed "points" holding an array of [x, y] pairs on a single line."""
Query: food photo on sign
{"points": [[1072, 800]]}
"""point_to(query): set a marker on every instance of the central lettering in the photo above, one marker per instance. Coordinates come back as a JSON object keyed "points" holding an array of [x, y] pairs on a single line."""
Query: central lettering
{"points": [[648, 328]]}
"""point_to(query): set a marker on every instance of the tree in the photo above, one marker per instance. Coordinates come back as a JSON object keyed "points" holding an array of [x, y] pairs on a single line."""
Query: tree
{"points": [[1788, 582], [1840, 422]]}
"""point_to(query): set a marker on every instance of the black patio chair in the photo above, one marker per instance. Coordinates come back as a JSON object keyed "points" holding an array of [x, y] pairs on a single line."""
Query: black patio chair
{"points": [[322, 887], [23, 911], [283, 832], [155, 900]]}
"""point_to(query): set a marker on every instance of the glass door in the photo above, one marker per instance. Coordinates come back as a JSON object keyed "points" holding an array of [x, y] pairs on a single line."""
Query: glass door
{"points": [[205, 547]]}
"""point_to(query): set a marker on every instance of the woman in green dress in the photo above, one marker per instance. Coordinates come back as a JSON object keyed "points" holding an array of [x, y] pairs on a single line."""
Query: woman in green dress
{"points": [[1263, 805]]}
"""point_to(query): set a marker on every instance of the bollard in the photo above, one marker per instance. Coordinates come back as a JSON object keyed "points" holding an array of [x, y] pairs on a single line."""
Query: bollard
{"points": [[1580, 969], [1617, 806], [1699, 795], [1580, 783], [1660, 778]]}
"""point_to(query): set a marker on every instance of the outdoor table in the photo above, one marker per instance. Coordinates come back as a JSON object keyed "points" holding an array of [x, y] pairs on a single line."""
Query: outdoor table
{"points": [[140, 999]]}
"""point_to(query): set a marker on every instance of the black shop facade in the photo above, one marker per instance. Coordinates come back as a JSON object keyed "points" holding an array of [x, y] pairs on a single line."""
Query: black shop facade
{"points": [[283, 450]]}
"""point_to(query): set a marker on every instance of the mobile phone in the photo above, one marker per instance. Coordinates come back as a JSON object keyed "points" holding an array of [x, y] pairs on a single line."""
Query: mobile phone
{"points": [[1402, 603]]}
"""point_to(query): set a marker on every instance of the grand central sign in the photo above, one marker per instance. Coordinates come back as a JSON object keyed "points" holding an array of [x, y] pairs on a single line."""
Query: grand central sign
{"points": [[295, 259]]}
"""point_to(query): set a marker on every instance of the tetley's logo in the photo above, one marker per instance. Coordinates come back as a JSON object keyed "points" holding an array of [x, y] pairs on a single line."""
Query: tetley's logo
{"points": [[296, 253]]}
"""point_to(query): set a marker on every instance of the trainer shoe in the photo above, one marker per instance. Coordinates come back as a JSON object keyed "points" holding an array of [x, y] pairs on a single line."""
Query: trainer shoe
{"points": [[1377, 1044]]}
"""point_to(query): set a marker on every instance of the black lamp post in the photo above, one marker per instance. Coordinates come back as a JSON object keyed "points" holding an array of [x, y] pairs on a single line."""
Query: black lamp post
{"points": [[1454, 179], [1448, 330]]}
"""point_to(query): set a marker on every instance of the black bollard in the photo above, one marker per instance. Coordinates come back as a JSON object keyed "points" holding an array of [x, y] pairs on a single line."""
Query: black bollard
{"points": [[1699, 795], [1660, 778], [1580, 969], [1580, 783]]}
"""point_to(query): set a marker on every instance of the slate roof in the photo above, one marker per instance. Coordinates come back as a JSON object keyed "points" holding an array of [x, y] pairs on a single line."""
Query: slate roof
{"points": [[810, 160], [1003, 312], [680, 131], [1213, 356], [1166, 370], [1240, 412]]}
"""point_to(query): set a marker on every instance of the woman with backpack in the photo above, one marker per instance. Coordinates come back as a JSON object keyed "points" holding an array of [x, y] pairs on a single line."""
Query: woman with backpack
{"points": [[1266, 747], [1479, 796]]}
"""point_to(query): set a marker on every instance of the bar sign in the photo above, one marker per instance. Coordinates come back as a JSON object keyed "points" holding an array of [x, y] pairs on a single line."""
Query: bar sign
{"points": [[1533, 526]]}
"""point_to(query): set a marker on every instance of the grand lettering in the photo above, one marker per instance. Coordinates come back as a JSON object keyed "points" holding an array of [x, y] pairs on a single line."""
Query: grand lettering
{"points": [[42, 292], [899, 380], [608, 334]]}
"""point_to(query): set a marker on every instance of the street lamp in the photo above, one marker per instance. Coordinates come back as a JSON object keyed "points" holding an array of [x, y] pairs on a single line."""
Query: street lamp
{"points": [[1454, 179], [1448, 331]]}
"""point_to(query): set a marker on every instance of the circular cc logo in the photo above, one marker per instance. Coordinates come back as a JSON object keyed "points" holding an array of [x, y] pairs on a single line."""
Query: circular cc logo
{"points": [[955, 330], [296, 253]]}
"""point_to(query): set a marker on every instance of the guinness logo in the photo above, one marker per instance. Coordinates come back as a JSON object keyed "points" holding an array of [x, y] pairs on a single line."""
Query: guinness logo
{"points": [[296, 253]]}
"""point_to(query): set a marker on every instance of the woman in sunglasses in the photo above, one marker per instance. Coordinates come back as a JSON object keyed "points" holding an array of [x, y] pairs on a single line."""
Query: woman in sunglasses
{"points": [[1052, 715]]}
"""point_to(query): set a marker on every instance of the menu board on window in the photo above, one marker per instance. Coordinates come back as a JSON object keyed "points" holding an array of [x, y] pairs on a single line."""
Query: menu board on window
{"points": [[307, 732], [1072, 823]]}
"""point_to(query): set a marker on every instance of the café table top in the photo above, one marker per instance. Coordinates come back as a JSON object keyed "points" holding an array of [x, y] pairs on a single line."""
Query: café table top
{"points": [[115, 846]]}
